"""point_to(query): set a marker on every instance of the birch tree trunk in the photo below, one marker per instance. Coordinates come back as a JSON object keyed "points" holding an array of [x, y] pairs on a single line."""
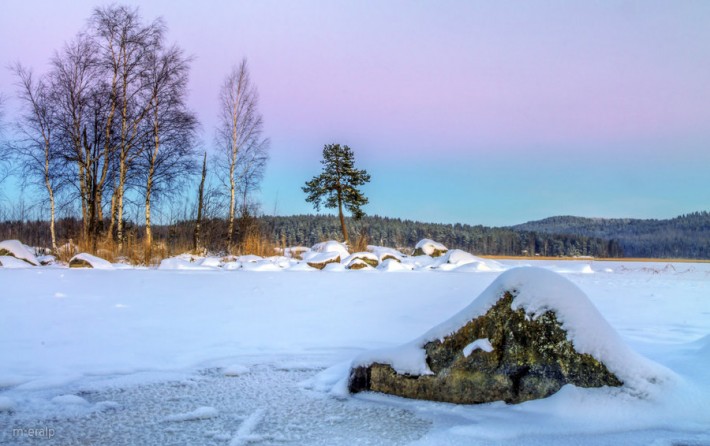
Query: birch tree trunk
{"points": [[198, 224]]}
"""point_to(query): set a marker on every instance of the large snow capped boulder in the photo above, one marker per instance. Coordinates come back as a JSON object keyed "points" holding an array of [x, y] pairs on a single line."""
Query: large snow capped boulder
{"points": [[331, 246], [13, 262], [356, 260], [14, 248], [320, 260], [383, 253], [527, 335], [84, 260], [429, 248]]}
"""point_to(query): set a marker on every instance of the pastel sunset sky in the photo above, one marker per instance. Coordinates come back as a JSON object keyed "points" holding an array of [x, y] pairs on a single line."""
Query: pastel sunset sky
{"points": [[490, 113]]}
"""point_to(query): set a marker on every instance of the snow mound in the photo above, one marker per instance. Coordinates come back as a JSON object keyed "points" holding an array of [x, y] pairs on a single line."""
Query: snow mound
{"points": [[573, 268], [430, 247], [537, 290], [13, 262], [478, 267], [456, 259], [201, 413], [249, 259], [422, 262], [281, 261], [261, 265], [93, 261], [16, 249], [383, 253], [212, 262], [181, 263], [302, 266], [391, 265], [331, 246]]}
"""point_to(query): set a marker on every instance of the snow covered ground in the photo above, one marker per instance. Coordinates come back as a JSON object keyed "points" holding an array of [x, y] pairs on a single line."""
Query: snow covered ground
{"points": [[219, 356]]}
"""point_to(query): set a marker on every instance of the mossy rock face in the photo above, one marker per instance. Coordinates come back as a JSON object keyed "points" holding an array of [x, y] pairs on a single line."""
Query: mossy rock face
{"points": [[5, 252], [435, 253], [321, 265], [531, 359], [390, 256], [367, 260], [358, 264], [79, 263]]}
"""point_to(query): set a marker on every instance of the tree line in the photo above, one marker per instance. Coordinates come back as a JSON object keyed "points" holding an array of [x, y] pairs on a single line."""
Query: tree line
{"points": [[108, 126], [404, 234], [685, 236], [307, 230]]}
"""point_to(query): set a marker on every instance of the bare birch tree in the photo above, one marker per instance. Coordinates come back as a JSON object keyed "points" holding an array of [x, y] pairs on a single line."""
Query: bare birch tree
{"points": [[172, 127], [82, 100], [36, 146], [4, 148], [124, 45], [240, 129], [250, 167], [197, 235]]}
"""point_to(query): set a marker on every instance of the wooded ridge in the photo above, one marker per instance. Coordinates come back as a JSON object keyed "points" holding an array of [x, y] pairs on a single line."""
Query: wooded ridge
{"points": [[686, 236]]}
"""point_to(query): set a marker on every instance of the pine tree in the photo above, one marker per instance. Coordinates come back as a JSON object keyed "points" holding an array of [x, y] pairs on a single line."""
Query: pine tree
{"points": [[337, 185]]}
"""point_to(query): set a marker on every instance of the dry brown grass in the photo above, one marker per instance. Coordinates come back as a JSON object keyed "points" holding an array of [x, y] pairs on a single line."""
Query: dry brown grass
{"points": [[256, 243], [360, 243]]}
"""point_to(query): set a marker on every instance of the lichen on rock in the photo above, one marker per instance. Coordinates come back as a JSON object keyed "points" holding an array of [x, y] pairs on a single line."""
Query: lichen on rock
{"points": [[531, 357]]}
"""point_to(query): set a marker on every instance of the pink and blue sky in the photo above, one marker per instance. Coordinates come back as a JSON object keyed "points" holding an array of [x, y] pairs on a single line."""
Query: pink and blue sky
{"points": [[489, 113]]}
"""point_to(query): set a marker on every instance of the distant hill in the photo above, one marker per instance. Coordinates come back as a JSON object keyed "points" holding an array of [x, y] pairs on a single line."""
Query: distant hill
{"points": [[403, 234], [686, 236]]}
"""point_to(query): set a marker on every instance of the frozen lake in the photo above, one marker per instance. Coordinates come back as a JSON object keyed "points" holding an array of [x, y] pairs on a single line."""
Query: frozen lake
{"points": [[229, 357]]}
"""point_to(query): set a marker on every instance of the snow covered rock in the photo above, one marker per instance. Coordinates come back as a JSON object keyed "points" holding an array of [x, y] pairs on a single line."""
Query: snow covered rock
{"points": [[84, 260], [383, 253], [357, 264], [47, 260], [14, 248], [295, 252], [429, 248], [331, 246], [359, 258], [527, 335], [13, 262], [320, 260]]}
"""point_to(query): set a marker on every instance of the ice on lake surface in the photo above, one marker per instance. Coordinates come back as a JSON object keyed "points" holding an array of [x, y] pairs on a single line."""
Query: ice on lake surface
{"points": [[269, 399], [181, 357]]}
